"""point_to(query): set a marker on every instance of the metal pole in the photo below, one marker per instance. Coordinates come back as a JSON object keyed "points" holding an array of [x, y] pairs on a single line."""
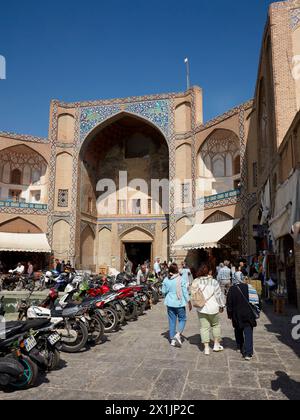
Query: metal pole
{"points": [[188, 79]]}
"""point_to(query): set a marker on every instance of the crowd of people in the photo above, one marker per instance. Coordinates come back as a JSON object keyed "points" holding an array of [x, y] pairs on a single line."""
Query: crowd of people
{"points": [[210, 294], [209, 291]]}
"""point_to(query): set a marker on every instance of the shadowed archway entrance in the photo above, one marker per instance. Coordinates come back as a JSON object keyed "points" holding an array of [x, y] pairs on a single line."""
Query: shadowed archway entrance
{"points": [[130, 145]]}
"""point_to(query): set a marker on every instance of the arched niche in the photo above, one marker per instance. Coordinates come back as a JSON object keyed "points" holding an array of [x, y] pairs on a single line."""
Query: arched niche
{"points": [[19, 225], [105, 247], [218, 216], [61, 239], [87, 245], [137, 235], [183, 118], [66, 128]]}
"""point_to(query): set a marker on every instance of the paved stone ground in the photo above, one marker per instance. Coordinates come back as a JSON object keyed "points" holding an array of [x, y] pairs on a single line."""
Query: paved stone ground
{"points": [[138, 363]]}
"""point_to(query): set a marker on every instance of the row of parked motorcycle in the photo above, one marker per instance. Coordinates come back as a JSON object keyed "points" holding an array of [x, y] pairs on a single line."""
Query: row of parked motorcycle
{"points": [[89, 308], [14, 282]]}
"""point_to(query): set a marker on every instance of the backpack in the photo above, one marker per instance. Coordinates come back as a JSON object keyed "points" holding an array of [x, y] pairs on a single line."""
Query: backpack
{"points": [[197, 295]]}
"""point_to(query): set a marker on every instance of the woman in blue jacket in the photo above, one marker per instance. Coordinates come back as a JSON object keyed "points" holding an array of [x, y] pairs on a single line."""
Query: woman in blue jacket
{"points": [[176, 299]]}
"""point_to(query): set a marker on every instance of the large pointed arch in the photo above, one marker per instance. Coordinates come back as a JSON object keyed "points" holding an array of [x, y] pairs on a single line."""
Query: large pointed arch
{"points": [[114, 118]]}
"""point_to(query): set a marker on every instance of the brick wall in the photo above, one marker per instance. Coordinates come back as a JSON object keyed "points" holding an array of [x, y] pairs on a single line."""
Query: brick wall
{"points": [[284, 84]]}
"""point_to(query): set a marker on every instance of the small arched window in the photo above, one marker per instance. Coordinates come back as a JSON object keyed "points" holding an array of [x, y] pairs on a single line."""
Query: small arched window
{"points": [[36, 176], [237, 165], [16, 176]]}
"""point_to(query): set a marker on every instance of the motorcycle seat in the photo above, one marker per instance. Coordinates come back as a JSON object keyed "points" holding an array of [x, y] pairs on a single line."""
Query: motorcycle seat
{"points": [[56, 313], [17, 327], [12, 328]]}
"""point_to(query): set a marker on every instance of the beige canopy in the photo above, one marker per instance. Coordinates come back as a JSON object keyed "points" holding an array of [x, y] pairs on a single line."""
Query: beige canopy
{"points": [[207, 235], [24, 242]]}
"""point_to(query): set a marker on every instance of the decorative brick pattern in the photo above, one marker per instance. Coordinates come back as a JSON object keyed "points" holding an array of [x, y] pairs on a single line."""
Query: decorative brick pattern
{"points": [[294, 18], [23, 137], [104, 226], [52, 171], [63, 198], [157, 112], [149, 227]]}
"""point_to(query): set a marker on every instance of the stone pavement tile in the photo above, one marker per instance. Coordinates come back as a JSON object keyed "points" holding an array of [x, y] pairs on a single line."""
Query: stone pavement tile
{"points": [[169, 385], [214, 362], [198, 378], [241, 366], [122, 385], [198, 394], [124, 397], [267, 366], [276, 396], [267, 358], [126, 369], [118, 357], [241, 394], [292, 366], [289, 354], [169, 363], [264, 349], [149, 374], [78, 380], [63, 394], [244, 379]]}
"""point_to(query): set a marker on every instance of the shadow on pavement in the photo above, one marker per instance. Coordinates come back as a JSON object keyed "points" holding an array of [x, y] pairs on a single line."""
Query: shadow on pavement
{"points": [[287, 386], [281, 326]]}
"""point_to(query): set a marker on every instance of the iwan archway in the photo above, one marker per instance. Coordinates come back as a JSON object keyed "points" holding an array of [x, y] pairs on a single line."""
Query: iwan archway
{"points": [[124, 173]]}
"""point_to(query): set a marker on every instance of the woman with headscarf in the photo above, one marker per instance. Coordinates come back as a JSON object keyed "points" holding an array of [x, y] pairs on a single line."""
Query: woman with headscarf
{"points": [[242, 304], [176, 299]]}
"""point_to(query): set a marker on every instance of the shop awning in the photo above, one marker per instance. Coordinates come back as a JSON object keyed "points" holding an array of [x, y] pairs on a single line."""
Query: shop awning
{"points": [[207, 235], [24, 242]]}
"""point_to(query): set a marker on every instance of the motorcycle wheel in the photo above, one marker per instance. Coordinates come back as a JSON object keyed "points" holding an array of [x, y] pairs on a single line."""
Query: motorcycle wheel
{"points": [[96, 330], [141, 309], [111, 320], [30, 375], [54, 360], [131, 312], [80, 340], [121, 313]]}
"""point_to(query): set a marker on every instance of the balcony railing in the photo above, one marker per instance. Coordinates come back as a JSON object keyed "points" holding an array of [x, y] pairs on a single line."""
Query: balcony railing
{"points": [[219, 197], [22, 205]]}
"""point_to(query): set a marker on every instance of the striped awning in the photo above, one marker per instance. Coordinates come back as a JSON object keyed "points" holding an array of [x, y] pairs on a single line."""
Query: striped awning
{"points": [[24, 242], [207, 235]]}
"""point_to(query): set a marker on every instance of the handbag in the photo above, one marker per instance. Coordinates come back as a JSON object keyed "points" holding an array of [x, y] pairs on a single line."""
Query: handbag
{"points": [[255, 310]]}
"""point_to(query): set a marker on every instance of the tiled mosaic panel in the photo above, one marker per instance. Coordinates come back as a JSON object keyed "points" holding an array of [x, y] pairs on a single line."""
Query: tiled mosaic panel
{"points": [[158, 112], [294, 18], [63, 198]]}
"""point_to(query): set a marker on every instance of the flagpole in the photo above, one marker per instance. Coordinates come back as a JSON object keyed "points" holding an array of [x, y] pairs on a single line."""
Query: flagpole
{"points": [[188, 78]]}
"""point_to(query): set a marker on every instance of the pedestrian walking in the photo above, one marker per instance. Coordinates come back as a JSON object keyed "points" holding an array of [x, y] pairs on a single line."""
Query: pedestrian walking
{"points": [[224, 277], [30, 269], [238, 276], [185, 272], [157, 268], [174, 289], [242, 310], [208, 299]]}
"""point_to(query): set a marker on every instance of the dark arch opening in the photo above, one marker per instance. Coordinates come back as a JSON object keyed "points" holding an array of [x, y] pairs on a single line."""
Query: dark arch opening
{"points": [[128, 143]]}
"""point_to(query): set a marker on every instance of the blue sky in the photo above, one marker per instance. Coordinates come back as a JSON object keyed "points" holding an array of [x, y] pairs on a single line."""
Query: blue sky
{"points": [[97, 49]]}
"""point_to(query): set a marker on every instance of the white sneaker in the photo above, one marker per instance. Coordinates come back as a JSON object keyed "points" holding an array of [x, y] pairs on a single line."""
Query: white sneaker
{"points": [[178, 339], [218, 348], [207, 351], [173, 343]]}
